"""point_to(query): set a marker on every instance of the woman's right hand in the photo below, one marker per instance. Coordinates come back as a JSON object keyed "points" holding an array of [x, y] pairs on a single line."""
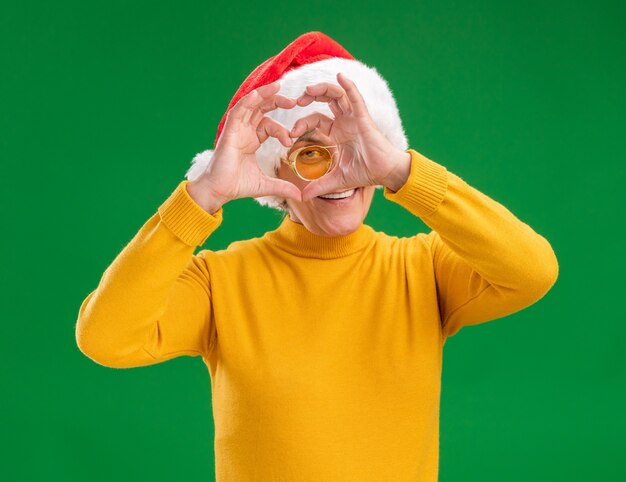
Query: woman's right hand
{"points": [[234, 171]]}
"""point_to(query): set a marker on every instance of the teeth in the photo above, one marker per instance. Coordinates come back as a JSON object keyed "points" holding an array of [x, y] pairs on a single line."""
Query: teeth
{"points": [[339, 195]]}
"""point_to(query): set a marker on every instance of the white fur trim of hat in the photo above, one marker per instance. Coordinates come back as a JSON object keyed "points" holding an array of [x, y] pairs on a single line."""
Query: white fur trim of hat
{"points": [[374, 88]]}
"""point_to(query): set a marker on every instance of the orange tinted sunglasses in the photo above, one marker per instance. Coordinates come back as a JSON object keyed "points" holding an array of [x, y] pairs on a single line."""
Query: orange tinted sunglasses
{"points": [[310, 162]]}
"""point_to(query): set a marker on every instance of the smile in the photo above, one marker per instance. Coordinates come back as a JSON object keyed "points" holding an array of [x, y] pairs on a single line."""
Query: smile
{"points": [[339, 198]]}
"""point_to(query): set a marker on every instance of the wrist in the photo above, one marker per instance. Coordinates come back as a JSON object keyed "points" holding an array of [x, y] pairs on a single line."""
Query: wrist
{"points": [[400, 173], [204, 197]]}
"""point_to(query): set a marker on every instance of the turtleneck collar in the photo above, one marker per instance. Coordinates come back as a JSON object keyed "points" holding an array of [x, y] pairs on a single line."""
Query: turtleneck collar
{"points": [[296, 239]]}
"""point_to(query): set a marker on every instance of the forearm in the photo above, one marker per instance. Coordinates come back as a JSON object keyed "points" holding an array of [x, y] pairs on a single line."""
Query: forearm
{"points": [[505, 251]]}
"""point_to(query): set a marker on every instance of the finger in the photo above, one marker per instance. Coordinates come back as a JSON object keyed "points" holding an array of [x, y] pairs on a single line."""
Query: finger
{"points": [[268, 90], [269, 127], [244, 107], [332, 103], [331, 182], [310, 122], [326, 92], [277, 101], [274, 102], [353, 94], [278, 187], [306, 99]]}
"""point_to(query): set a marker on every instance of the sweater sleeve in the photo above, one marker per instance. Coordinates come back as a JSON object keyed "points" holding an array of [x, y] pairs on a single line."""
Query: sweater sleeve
{"points": [[153, 302], [487, 263]]}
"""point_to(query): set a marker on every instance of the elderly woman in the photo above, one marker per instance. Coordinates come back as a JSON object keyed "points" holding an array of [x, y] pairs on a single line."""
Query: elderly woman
{"points": [[323, 338]]}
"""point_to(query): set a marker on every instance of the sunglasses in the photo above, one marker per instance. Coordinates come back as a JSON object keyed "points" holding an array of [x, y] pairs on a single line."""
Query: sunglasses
{"points": [[310, 162]]}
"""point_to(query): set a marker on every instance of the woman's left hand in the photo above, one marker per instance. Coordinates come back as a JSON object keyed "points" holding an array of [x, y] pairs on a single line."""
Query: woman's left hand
{"points": [[365, 157]]}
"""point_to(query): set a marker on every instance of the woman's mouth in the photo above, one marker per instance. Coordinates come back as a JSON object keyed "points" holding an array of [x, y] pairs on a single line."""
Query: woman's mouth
{"points": [[340, 198]]}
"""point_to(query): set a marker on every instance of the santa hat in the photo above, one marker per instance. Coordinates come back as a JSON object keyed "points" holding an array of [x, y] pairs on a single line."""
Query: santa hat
{"points": [[311, 58]]}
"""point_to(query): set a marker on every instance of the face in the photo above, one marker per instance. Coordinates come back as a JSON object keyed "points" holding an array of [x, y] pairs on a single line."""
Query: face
{"points": [[325, 217]]}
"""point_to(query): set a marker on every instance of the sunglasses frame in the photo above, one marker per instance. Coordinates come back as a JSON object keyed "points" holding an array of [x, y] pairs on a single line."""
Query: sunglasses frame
{"points": [[291, 160]]}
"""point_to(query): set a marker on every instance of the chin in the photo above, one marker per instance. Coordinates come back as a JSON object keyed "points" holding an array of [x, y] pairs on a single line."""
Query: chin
{"points": [[336, 218], [341, 227]]}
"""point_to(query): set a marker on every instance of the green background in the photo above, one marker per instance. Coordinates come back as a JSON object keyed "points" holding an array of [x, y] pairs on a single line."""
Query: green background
{"points": [[102, 107]]}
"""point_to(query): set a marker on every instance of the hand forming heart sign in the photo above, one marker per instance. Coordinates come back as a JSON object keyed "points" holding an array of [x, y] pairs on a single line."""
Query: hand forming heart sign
{"points": [[234, 172], [365, 156]]}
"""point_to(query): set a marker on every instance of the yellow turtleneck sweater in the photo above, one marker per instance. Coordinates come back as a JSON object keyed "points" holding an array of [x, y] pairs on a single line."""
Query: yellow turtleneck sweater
{"points": [[324, 354]]}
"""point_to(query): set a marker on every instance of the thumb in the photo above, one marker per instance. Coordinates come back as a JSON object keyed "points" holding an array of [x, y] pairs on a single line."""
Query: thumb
{"points": [[331, 182], [278, 187]]}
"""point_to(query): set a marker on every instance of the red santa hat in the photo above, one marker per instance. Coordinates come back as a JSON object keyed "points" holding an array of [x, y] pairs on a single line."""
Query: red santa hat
{"points": [[311, 58]]}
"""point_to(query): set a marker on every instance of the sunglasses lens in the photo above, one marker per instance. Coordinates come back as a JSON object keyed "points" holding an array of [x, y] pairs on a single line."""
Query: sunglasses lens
{"points": [[313, 162]]}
